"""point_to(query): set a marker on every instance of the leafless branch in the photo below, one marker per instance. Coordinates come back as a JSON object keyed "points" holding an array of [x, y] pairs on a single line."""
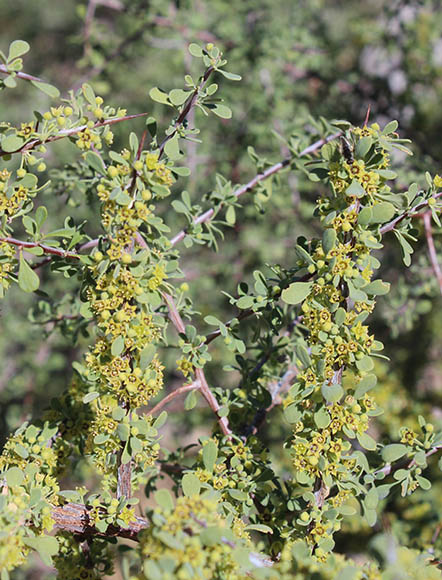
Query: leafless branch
{"points": [[432, 249], [195, 386], [177, 321]]}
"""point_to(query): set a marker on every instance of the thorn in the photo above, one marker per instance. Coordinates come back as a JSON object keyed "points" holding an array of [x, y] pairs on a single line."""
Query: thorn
{"points": [[367, 115]]}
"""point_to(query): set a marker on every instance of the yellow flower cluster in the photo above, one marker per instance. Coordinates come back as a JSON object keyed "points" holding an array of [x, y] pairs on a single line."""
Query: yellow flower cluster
{"points": [[174, 541]]}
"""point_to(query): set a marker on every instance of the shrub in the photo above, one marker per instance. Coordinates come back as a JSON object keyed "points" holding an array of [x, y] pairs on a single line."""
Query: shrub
{"points": [[259, 493]]}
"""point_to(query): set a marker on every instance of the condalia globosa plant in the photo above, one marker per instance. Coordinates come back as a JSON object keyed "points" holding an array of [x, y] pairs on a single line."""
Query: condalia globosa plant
{"points": [[231, 512]]}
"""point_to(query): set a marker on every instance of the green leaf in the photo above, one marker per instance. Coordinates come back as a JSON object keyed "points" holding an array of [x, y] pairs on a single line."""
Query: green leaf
{"points": [[164, 499], [178, 96], [11, 143], [377, 288], [95, 161], [89, 94], [382, 212], [40, 216], [14, 476], [303, 355], [355, 188], [195, 50], [18, 48], [27, 278], [372, 499], [191, 484], [147, 355], [366, 441], [151, 570], [172, 148], [390, 128], [362, 147], [393, 452], [123, 431], [407, 249], [191, 400], [222, 111], [292, 413], [229, 75], [423, 482], [90, 397], [160, 420], [296, 292], [117, 346], [46, 88], [328, 240], [370, 516], [322, 418], [46, 546], [210, 453], [231, 215], [332, 393], [365, 364], [365, 216], [245, 302], [159, 96], [259, 528], [367, 383]]}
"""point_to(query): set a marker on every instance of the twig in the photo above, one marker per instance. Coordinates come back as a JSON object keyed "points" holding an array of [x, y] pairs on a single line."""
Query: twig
{"points": [[280, 386], [46, 249], [241, 316], [177, 321], [190, 103], [195, 386], [432, 249], [206, 216], [391, 225], [389, 469], [124, 470], [20, 75], [68, 132], [74, 518]]}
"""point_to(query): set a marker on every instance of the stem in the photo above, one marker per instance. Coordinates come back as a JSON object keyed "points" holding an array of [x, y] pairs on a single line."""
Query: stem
{"points": [[391, 225], [20, 75], [404, 463], [195, 386], [432, 249], [190, 103], [68, 132], [177, 321], [74, 518], [124, 470], [206, 216], [46, 249]]}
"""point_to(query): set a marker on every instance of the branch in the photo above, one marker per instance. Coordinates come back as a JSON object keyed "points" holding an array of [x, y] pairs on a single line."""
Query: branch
{"points": [[404, 463], [46, 249], [184, 389], [68, 132], [20, 75], [431, 248], [177, 321], [74, 518], [279, 387], [187, 108], [391, 225], [206, 216]]}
